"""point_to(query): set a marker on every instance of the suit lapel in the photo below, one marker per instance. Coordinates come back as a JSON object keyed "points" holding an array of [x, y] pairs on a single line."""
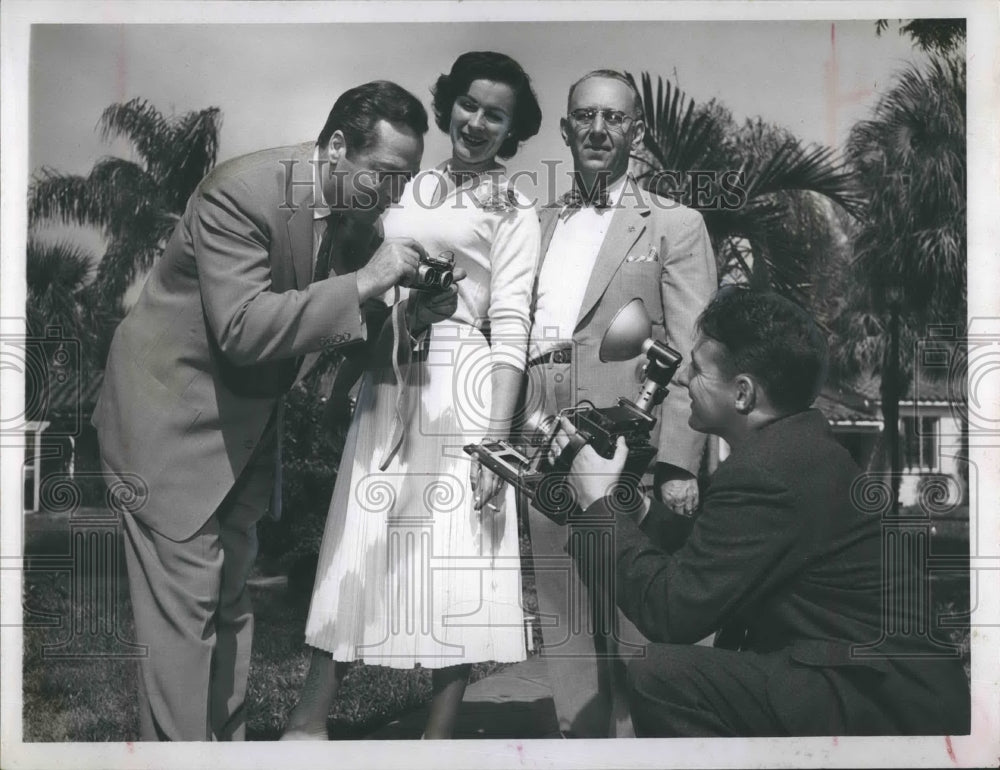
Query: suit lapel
{"points": [[548, 218], [300, 223], [627, 226]]}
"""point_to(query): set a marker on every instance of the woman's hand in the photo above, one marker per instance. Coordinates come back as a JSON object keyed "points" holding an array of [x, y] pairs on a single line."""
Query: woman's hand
{"points": [[485, 485], [426, 308]]}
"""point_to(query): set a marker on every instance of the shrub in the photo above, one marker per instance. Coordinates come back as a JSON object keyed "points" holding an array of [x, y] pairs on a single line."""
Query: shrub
{"points": [[311, 452]]}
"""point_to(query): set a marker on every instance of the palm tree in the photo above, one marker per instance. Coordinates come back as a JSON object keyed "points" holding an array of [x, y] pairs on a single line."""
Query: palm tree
{"points": [[780, 182], [56, 278], [60, 294], [134, 204], [940, 36], [910, 249]]}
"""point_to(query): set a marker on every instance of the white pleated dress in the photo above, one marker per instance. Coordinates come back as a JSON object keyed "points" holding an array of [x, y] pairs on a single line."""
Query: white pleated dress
{"points": [[408, 571]]}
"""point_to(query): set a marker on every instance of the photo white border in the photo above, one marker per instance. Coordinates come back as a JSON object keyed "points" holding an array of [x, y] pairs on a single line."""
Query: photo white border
{"points": [[982, 748]]}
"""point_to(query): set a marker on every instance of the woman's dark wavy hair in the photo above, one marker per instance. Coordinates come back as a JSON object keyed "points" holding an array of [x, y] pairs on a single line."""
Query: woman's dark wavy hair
{"points": [[771, 338], [489, 65], [357, 111]]}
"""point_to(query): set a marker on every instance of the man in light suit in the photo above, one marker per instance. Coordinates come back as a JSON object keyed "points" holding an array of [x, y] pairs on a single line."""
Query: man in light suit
{"points": [[780, 560], [626, 243], [272, 260]]}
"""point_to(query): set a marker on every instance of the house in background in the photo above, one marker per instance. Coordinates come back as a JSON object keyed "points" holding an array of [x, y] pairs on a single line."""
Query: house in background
{"points": [[931, 432]]}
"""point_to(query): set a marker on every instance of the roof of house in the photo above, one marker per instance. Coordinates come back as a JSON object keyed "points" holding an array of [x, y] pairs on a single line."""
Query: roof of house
{"points": [[841, 405], [920, 388]]}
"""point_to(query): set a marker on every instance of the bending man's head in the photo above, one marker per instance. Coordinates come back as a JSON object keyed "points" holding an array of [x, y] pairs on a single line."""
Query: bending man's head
{"points": [[371, 145], [758, 357]]}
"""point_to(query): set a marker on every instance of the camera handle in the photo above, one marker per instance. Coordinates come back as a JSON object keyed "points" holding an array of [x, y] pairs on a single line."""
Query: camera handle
{"points": [[564, 461]]}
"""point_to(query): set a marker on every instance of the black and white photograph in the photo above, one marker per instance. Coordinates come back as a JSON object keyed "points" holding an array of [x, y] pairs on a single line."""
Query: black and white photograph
{"points": [[581, 385]]}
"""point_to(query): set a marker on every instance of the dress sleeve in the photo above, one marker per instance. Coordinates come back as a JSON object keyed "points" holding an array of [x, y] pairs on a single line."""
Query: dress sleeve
{"points": [[513, 260]]}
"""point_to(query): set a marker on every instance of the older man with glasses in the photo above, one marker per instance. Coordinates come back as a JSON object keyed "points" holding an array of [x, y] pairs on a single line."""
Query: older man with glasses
{"points": [[604, 243]]}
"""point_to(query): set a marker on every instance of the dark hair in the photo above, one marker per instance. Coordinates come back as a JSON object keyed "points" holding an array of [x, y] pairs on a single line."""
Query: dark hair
{"points": [[609, 75], [357, 111], [488, 65], [771, 338]]}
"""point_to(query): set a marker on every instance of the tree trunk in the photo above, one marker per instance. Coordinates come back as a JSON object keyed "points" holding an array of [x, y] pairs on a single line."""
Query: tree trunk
{"points": [[891, 392]]}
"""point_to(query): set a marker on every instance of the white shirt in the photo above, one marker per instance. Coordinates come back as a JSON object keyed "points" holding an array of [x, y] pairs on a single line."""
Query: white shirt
{"points": [[568, 263]]}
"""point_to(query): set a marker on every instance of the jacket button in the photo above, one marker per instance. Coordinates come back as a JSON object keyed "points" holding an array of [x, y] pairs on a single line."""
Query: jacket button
{"points": [[249, 443]]}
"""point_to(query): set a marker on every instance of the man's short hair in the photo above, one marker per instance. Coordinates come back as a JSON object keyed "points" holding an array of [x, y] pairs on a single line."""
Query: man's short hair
{"points": [[609, 75], [772, 339], [357, 111], [500, 68]]}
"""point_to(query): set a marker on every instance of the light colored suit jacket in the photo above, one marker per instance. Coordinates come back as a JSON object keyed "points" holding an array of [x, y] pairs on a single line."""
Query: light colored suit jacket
{"points": [[659, 251], [199, 363]]}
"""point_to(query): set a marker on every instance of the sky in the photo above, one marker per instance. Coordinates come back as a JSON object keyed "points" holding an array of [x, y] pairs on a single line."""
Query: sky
{"points": [[275, 83]]}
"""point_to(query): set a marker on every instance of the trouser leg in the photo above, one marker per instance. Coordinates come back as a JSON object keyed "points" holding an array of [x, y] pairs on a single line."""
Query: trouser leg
{"points": [[695, 691], [174, 589], [234, 619], [569, 646], [192, 612]]}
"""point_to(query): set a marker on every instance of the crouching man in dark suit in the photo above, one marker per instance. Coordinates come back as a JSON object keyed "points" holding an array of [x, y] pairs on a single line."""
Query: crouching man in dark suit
{"points": [[779, 562]]}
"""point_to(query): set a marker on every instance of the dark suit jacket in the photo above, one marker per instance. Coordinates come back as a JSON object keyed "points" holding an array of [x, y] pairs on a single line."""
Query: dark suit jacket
{"points": [[215, 338], [781, 560]]}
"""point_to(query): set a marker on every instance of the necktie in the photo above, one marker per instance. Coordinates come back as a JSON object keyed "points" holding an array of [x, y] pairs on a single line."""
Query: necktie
{"points": [[324, 257], [327, 258]]}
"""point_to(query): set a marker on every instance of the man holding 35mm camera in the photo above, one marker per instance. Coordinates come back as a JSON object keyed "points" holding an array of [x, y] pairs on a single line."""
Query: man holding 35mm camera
{"points": [[607, 242], [779, 561], [273, 260]]}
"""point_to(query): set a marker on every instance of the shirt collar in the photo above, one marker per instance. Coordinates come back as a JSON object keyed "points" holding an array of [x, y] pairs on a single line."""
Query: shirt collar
{"points": [[320, 210]]}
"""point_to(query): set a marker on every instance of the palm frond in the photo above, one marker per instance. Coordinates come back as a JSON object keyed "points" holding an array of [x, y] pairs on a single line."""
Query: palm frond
{"points": [[111, 197], [142, 125], [121, 264], [56, 276], [676, 135], [62, 198], [193, 149], [813, 169]]}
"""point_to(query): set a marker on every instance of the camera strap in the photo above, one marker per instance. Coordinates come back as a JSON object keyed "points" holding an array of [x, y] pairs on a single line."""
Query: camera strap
{"points": [[400, 331]]}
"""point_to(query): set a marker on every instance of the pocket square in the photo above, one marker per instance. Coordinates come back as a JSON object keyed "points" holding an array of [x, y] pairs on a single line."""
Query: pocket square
{"points": [[650, 256]]}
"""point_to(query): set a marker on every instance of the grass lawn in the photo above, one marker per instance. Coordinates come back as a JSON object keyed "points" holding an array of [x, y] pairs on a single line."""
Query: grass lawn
{"points": [[92, 696]]}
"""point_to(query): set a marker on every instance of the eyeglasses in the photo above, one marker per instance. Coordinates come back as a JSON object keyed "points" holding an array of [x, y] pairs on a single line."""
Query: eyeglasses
{"points": [[586, 116]]}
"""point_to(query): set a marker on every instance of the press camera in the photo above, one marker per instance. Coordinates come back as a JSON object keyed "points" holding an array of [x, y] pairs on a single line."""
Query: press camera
{"points": [[541, 480]]}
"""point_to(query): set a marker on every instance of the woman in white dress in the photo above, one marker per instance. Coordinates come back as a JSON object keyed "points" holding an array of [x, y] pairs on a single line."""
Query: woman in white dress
{"points": [[419, 562]]}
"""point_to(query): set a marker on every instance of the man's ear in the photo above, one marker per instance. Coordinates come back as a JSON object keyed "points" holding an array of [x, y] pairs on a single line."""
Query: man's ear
{"points": [[336, 148], [639, 132], [746, 394], [566, 130]]}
